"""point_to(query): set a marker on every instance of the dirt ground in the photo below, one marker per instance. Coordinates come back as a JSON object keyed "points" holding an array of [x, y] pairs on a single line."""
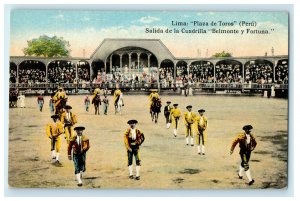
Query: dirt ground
{"points": [[167, 163]]}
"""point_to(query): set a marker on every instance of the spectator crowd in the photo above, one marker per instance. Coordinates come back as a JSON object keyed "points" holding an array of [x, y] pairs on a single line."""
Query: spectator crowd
{"points": [[196, 73], [32, 76], [202, 72], [229, 73], [282, 73], [258, 73]]}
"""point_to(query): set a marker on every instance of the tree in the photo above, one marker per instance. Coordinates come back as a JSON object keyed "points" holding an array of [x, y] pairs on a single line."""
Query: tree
{"points": [[47, 46], [222, 54]]}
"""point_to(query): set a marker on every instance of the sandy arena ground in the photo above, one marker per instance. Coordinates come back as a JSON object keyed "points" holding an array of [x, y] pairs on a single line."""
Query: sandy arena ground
{"points": [[167, 163]]}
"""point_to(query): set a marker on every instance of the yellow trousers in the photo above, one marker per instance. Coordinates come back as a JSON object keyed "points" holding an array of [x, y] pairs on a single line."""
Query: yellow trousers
{"points": [[175, 122], [201, 138], [56, 144], [189, 130], [69, 132]]}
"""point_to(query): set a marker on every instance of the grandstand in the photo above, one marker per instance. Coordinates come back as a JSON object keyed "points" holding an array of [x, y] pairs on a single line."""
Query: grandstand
{"points": [[142, 64]]}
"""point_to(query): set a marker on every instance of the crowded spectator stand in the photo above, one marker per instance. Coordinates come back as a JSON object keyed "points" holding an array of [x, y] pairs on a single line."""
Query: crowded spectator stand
{"points": [[227, 73]]}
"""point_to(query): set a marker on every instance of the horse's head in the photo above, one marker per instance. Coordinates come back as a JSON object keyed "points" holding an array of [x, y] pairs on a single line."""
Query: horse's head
{"points": [[154, 99]]}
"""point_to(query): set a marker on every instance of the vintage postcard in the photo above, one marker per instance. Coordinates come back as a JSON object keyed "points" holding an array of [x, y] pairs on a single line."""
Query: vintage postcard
{"points": [[148, 99]]}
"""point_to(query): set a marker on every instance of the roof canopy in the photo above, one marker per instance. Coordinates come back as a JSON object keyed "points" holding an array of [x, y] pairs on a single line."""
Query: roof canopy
{"points": [[155, 46]]}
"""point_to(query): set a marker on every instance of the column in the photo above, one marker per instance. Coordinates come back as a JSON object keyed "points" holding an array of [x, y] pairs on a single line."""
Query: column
{"points": [[174, 70], [76, 68], [243, 77], [47, 83], [110, 63], [158, 68], [90, 65], [18, 67], [274, 63], [105, 65], [129, 63], [149, 56], [121, 55], [47, 66], [138, 57], [214, 77]]}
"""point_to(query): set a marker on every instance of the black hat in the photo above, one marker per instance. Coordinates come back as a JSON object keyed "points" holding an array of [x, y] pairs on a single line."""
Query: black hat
{"points": [[189, 106], [68, 107], [247, 127], [133, 121], [201, 110], [55, 116], [175, 104], [79, 128], [168, 101]]}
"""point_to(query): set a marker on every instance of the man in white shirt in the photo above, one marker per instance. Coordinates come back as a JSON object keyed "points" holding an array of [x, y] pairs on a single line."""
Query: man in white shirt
{"points": [[167, 112]]}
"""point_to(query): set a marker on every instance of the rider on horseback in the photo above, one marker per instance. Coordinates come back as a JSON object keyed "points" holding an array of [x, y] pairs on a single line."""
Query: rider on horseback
{"points": [[97, 91], [58, 97], [153, 97]]}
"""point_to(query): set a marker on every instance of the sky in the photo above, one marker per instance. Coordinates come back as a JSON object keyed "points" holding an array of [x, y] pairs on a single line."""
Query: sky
{"points": [[85, 30]]}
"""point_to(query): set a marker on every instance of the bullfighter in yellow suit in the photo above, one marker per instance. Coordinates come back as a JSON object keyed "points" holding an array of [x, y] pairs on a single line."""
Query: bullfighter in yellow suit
{"points": [[68, 118], [53, 131], [200, 127], [153, 96], [247, 143], [133, 138], [175, 115], [188, 120], [117, 95], [59, 95]]}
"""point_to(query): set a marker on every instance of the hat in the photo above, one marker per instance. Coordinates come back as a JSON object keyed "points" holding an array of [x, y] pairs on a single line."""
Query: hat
{"points": [[189, 106], [133, 121], [153, 90], [79, 128], [168, 101], [68, 107], [201, 110], [55, 116], [247, 127], [175, 104], [60, 88]]}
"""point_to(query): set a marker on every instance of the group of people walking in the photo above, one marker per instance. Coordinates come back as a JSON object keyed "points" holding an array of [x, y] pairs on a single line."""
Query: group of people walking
{"points": [[63, 122], [195, 131], [196, 127]]}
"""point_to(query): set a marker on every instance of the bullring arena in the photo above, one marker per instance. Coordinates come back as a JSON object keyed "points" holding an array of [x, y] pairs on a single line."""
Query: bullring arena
{"points": [[231, 91], [166, 161]]}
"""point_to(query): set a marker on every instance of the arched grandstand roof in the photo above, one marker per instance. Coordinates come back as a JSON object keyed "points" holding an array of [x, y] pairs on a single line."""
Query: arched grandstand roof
{"points": [[153, 45]]}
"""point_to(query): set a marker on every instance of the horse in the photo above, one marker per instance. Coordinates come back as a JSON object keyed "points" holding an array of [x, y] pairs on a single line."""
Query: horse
{"points": [[97, 102], [119, 103], [59, 106], [13, 98], [155, 109]]}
